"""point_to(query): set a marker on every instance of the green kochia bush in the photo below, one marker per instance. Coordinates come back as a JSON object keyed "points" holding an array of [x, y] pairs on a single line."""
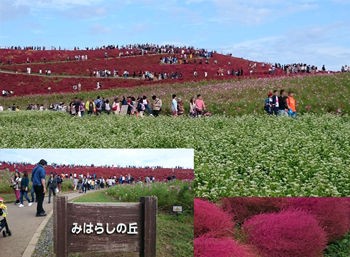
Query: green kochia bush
{"points": [[168, 194]]}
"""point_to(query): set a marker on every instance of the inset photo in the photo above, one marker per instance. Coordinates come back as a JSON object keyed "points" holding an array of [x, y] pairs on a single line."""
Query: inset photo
{"points": [[96, 202], [272, 227]]}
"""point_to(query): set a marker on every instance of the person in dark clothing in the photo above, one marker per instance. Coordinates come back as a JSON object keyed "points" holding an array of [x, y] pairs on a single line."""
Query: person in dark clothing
{"points": [[275, 103], [24, 189], [52, 185], [283, 107], [38, 179]]}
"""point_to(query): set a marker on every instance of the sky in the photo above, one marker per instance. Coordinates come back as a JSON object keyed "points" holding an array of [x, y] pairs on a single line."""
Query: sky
{"points": [[288, 31], [166, 158]]}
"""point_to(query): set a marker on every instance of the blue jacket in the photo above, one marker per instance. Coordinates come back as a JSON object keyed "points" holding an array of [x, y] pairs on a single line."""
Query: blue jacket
{"points": [[38, 174]]}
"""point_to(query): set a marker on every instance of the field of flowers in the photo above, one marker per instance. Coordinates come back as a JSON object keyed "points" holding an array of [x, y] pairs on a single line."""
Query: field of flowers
{"points": [[272, 227], [325, 93], [242, 156]]}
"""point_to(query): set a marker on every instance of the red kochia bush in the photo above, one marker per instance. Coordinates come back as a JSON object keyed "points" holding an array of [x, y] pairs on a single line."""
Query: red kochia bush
{"points": [[211, 220], [220, 247], [243, 208], [333, 213], [286, 234]]}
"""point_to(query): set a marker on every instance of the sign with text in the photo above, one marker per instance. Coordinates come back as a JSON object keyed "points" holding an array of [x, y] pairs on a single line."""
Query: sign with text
{"points": [[105, 227]]}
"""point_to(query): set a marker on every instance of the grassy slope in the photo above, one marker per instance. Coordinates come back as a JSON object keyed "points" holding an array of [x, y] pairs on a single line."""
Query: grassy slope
{"points": [[174, 235], [320, 94]]}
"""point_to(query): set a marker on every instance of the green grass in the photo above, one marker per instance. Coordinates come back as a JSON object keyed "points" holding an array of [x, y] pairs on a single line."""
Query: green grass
{"points": [[168, 194], [340, 248], [316, 94], [95, 197], [174, 233]]}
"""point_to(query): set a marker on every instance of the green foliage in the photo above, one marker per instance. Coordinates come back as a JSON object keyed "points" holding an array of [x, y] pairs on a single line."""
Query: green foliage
{"points": [[5, 179], [95, 197], [174, 235], [340, 248], [252, 155], [168, 194]]}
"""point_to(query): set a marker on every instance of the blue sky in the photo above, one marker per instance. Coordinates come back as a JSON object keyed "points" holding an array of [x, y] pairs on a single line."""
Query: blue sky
{"points": [[315, 32], [167, 158]]}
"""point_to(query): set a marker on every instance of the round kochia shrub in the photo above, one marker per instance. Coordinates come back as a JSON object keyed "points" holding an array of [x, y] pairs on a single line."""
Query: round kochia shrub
{"points": [[243, 208], [286, 234], [211, 220], [220, 247], [333, 213]]}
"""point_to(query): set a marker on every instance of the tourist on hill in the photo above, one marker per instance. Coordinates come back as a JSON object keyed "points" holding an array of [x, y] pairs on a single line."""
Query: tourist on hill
{"points": [[275, 103], [291, 102], [180, 107], [107, 107], [98, 105], [156, 105], [283, 107], [268, 104], [16, 184], [140, 106], [38, 179], [200, 106], [90, 106], [193, 112], [24, 190], [147, 106], [174, 109], [52, 186], [116, 106]]}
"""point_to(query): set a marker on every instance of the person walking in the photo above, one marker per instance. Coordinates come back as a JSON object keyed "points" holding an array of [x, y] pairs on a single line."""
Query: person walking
{"points": [[38, 179], [156, 105], [24, 190], [174, 106], [52, 186], [16, 182]]}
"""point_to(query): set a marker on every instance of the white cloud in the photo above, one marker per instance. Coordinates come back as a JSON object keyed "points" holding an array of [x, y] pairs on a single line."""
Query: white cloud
{"points": [[256, 12], [311, 45]]}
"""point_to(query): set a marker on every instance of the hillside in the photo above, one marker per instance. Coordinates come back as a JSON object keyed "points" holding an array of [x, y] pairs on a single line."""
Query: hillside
{"points": [[28, 72]]}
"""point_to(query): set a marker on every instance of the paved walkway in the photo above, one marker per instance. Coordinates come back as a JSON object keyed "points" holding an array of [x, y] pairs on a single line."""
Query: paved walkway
{"points": [[26, 228]]}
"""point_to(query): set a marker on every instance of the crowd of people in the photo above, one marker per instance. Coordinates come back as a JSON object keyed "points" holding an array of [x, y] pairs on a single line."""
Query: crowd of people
{"points": [[281, 103], [39, 184], [297, 68]]}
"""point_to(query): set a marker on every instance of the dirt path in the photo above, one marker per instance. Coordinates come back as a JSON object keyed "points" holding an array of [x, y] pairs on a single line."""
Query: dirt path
{"points": [[25, 228]]}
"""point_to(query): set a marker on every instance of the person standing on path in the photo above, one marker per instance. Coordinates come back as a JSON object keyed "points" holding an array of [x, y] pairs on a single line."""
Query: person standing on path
{"points": [[38, 179], [52, 185], [24, 189], [16, 182]]}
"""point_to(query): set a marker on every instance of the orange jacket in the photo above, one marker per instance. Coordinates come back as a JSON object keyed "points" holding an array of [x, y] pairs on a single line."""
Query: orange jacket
{"points": [[291, 103]]}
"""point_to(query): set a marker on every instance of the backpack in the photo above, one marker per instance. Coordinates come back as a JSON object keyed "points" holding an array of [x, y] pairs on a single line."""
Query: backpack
{"points": [[98, 105]]}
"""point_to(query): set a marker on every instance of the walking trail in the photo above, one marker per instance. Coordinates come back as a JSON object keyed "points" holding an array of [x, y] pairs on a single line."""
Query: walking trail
{"points": [[26, 227]]}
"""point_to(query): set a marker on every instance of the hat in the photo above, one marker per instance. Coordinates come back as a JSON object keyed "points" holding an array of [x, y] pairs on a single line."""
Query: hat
{"points": [[1, 199], [42, 162]]}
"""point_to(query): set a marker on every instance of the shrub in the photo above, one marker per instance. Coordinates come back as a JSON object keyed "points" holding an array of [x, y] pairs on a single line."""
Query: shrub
{"points": [[210, 220], [168, 194], [333, 213], [286, 234], [243, 208], [220, 247]]}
